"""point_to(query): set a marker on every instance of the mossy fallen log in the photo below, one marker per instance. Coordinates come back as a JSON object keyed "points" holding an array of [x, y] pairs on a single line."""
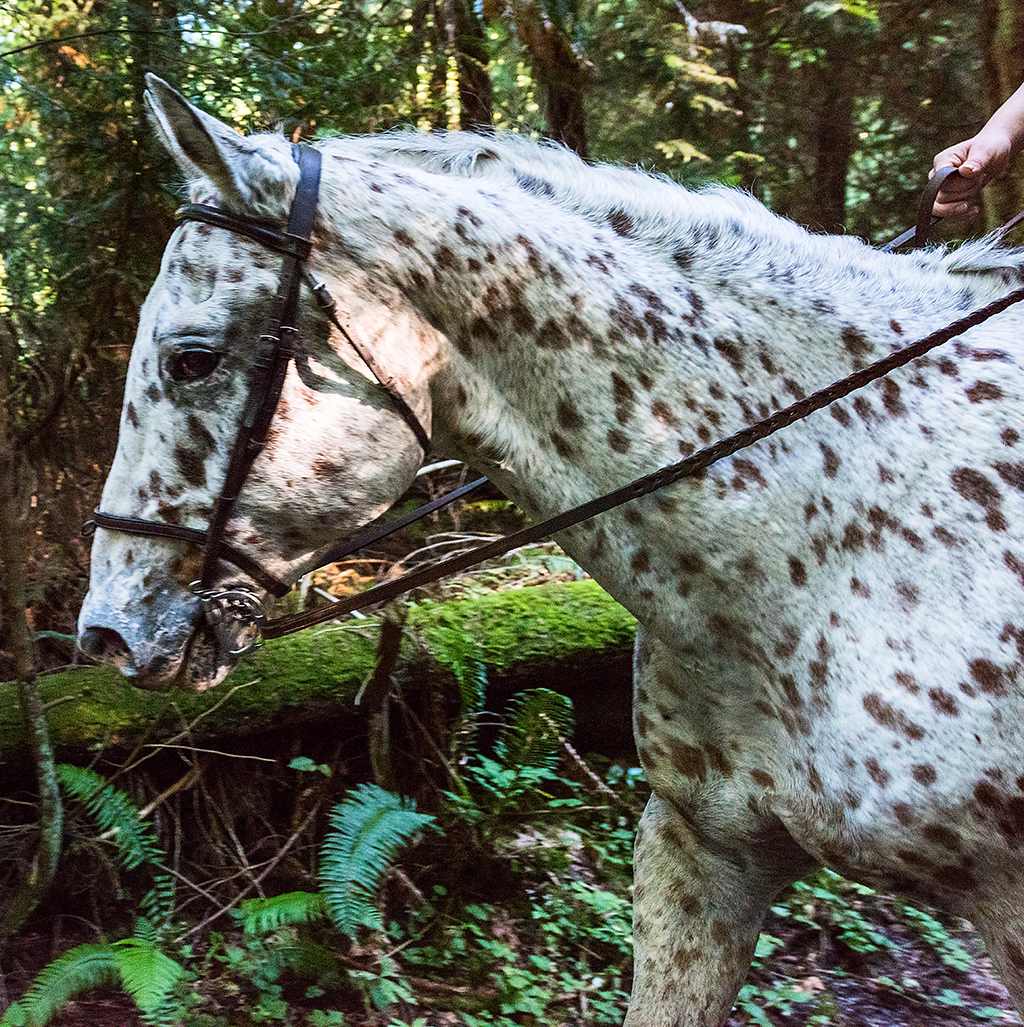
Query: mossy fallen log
{"points": [[567, 635]]}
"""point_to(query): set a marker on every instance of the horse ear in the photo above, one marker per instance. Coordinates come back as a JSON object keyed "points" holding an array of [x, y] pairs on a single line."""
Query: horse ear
{"points": [[202, 146]]}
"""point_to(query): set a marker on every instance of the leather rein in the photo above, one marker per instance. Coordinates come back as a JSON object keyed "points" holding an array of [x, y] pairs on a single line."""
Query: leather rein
{"points": [[279, 348]]}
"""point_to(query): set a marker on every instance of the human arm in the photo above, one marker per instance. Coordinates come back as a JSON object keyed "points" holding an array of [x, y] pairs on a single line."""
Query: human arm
{"points": [[980, 159]]}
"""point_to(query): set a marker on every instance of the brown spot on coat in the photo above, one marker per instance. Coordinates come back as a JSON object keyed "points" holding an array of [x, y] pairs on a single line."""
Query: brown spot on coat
{"points": [[641, 562], [877, 772], [855, 343], [944, 702], [841, 414], [621, 222], [981, 392], [891, 398], [991, 678], [907, 682], [1012, 474], [749, 471], [831, 460], [731, 351], [662, 412], [889, 717], [974, 486], [568, 416], [618, 440], [853, 537], [688, 760]]}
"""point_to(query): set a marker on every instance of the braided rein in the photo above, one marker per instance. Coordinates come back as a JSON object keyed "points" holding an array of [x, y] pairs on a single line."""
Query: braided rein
{"points": [[685, 468]]}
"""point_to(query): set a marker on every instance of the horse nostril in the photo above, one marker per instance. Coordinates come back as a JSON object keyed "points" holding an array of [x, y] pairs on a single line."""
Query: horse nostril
{"points": [[105, 645]]}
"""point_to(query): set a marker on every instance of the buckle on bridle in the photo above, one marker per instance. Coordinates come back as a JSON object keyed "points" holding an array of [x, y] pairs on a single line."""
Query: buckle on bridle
{"points": [[238, 604]]}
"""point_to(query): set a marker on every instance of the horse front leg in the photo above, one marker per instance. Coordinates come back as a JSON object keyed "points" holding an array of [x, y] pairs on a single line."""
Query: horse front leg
{"points": [[697, 914]]}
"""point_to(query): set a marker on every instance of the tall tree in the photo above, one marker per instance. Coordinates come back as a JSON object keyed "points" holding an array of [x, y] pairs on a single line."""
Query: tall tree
{"points": [[1001, 39]]}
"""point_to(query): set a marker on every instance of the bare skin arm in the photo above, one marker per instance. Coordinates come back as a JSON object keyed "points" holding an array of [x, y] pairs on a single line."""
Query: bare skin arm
{"points": [[980, 159]]}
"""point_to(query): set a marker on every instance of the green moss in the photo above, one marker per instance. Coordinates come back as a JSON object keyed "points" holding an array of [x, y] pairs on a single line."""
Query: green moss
{"points": [[309, 675], [514, 629]]}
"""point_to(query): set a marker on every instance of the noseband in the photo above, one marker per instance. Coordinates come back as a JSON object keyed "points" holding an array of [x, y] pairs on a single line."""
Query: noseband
{"points": [[277, 350]]}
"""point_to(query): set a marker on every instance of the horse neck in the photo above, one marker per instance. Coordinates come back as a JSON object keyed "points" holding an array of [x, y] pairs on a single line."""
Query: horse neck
{"points": [[581, 356]]}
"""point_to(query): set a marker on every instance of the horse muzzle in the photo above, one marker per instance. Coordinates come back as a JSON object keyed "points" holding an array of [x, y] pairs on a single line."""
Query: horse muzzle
{"points": [[191, 644]]}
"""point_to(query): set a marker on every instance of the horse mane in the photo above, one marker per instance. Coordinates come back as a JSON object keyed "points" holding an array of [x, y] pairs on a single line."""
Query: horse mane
{"points": [[710, 232]]}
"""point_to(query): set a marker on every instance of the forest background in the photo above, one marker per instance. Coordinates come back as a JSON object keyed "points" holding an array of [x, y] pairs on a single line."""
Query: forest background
{"points": [[829, 112]]}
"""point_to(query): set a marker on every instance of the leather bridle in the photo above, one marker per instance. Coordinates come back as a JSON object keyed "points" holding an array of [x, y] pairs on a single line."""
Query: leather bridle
{"points": [[277, 350]]}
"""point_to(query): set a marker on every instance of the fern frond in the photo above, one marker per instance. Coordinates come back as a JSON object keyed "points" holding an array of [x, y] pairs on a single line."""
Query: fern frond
{"points": [[77, 970], [148, 974], [461, 655], [368, 828], [114, 812], [260, 916], [538, 720], [158, 903]]}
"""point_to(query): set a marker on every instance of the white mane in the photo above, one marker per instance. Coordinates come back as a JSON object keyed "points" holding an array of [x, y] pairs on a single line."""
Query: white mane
{"points": [[727, 229]]}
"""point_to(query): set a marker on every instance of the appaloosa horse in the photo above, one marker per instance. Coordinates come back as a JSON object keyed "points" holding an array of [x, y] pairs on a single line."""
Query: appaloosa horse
{"points": [[829, 658]]}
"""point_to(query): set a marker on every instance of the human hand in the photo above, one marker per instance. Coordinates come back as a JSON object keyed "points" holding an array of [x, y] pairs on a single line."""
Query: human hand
{"points": [[979, 160]]}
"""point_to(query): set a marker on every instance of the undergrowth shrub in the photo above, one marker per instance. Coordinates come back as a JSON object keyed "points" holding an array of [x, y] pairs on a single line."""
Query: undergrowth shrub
{"points": [[140, 964]]}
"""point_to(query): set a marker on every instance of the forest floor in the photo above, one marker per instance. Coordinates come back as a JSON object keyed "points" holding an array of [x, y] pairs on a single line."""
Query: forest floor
{"points": [[907, 985]]}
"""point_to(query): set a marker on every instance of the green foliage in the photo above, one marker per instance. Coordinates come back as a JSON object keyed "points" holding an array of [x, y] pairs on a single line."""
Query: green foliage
{"points": [[833, 906], [935, 934], [263, 915], [827, 898], [538, 721], [562, 935], [137, 964], [368, 828], [114, 812], [78, 970]]}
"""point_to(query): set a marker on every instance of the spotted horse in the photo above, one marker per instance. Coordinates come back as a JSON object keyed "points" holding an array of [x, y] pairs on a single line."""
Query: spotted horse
{"points": [[829, 664]]}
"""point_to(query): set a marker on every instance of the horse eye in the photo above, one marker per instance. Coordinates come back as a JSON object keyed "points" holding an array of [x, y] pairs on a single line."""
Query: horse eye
{"points": [[189, 365]]}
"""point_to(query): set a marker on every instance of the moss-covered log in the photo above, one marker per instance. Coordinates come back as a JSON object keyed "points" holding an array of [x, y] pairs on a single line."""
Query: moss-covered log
{"points": [[566, 635]]}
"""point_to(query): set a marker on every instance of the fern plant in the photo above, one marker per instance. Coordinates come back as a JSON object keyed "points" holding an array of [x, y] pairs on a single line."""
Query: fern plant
{"points": [[368, 827], [537, 721], [137, 964], [115, 814]]}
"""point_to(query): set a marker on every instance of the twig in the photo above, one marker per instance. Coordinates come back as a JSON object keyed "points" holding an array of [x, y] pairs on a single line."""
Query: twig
{"points": [[270, 866], [212, 752], [128, 766], [186, 781]]}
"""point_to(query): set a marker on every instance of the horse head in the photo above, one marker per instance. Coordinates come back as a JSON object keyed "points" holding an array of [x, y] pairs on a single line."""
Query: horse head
{"points": [[337, 452]]}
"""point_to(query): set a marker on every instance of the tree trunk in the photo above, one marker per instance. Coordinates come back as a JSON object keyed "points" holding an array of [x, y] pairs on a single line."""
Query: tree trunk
{"points": [[834, 142], [15, 477], [1001, 32], [558, 68], [466, 42]]}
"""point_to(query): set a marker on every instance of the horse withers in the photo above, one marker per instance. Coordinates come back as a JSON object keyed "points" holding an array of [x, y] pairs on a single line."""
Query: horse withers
{"points": [[828, 663]]}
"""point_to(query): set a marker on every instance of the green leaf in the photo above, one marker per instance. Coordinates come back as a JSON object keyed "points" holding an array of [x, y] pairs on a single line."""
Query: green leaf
{"points": [[80, 969], [538, 721], [148, 974], [115, 813], [304, 763], [368, 828], [262, 915]]}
